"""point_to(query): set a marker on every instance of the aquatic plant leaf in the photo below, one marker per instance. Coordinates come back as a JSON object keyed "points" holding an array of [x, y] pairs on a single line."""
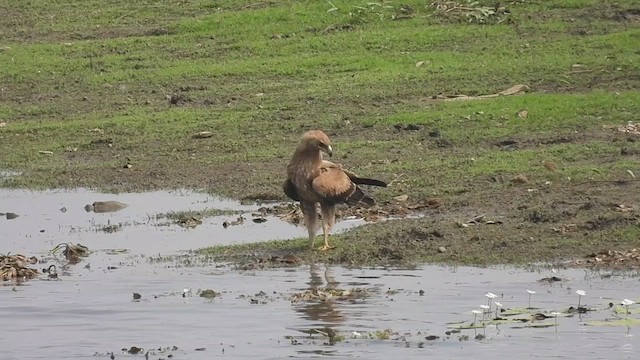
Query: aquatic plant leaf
{"points": [[615, 322], [538, 325], [512, 312], [623, 310], [467, 325]]}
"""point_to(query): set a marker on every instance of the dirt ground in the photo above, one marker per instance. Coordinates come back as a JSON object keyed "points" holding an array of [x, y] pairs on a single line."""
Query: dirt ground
{"points": [[578, 210]]}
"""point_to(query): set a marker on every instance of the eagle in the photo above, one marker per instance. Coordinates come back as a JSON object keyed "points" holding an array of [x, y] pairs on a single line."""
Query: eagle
{"points": [[312, 180]]}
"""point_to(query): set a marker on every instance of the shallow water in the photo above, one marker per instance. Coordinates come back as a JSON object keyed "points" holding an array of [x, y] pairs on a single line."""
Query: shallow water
{"points": [[44, 224], [90, 312]]}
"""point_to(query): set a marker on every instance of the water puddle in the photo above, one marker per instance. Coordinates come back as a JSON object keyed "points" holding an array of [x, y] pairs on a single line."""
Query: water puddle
{"points": [[47, 218], [114, 305]]}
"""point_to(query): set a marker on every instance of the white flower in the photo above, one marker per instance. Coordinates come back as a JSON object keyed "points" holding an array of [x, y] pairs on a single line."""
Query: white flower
{"points": [[581, 292], [627, 302], [531, 292], [356, 334], [498, 304], [477, 312], [491, 295], [486, 307]]}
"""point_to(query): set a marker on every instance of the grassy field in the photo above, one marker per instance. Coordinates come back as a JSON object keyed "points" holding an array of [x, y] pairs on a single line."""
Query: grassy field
{"points": [[109, 94]]}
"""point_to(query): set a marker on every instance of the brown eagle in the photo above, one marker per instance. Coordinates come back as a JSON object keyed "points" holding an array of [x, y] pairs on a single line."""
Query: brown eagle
{"points": [[312, 180]]}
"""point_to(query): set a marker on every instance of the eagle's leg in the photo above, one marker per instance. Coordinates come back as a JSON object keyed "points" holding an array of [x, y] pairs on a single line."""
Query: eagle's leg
{"points": [[311, 220], [328, 218]]}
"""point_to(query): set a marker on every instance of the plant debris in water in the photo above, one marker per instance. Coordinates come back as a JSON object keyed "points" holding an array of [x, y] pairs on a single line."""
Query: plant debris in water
{"points": [[329, 294], [15, 267], [72, 252]]}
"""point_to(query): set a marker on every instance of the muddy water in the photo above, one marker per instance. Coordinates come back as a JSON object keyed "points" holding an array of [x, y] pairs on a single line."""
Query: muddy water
{"points": [[89, 312]]}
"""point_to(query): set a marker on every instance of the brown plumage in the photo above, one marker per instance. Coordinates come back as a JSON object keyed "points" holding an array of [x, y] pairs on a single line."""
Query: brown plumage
{"points": [[312, 180]]}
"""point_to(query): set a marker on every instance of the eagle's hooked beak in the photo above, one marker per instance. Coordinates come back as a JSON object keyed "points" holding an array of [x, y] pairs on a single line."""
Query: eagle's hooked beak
{"points": [[328, 150]]}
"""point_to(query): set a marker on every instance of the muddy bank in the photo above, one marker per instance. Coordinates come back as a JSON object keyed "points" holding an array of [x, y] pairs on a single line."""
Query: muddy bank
{"points": [[549, 228]]}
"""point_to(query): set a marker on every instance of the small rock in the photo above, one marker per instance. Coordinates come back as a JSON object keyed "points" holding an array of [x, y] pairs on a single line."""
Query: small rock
{"points": [[136, 296], [134, 350], [442, 249], [523, 114], [208, 294], [432, 337], [105, 206]]}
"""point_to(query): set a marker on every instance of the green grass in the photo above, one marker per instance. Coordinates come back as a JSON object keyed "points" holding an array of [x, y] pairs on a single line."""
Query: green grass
{"points": [[93, 82]]}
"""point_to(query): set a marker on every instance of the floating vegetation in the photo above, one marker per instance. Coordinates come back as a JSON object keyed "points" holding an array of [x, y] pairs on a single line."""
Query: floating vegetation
{"points": [[189, 222], [51, 271], [385, 334], [328, 294], [16, 267], [627, 322], [259, 298], [72, 252], [111, 228], [532, 317], [190, 219], [238, 221], [200, 214]]}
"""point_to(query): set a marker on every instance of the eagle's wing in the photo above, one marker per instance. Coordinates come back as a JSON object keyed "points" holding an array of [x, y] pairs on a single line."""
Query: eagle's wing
{"points": [[333, 185], [290, 190], [353, 176]]}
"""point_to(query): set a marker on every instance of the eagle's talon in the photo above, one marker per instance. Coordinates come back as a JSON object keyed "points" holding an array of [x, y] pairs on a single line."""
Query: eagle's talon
{"points": [[325, 247]]}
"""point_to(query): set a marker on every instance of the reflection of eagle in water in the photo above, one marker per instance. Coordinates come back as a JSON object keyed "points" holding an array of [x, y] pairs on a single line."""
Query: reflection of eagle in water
{"points": [[323, 312], [312, 180]]}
